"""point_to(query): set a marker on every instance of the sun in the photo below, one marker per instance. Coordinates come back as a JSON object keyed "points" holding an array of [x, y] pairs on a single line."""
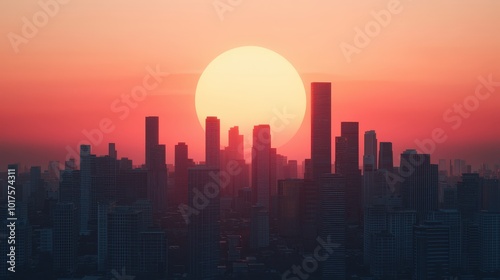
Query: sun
{"points": [[248, 86]]}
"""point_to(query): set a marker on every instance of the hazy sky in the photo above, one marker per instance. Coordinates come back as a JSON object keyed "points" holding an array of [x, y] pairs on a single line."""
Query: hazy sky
{"points": [[63, 66]]}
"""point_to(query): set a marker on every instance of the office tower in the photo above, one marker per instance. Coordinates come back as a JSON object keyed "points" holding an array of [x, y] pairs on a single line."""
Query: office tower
{"points": [[420, 185], [132, 183], [112, 151], [259, 227], [65, 235], [443, 167], [261, 169], [308, 173], [152, 138], [153, 253], [489, 228], [385, 156], [124, 226], [273, 182], [289, 223], [235, 146], [370, 154], [432, 249], [321, 139], [375, 221], [291, 169], [469, 205], [212, 142], [182, 164], [451, 218], [347, 164], [469, 196], [156, 166], [69, 187], [104, 184], [103, 210], [86, 163], [491, 195], [204, 228], [400, 224], [333, 223], [383, 255], [369, 166]]}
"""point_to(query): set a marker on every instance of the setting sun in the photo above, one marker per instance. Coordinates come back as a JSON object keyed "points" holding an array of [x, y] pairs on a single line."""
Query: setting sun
{"points": [[247, 86]]}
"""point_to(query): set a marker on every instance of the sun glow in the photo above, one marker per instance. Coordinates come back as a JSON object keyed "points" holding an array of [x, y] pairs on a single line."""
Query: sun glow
{"points": [[250, 85]]}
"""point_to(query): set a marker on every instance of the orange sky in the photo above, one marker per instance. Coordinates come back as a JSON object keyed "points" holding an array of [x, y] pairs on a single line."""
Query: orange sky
{"points": [[88, 53]]}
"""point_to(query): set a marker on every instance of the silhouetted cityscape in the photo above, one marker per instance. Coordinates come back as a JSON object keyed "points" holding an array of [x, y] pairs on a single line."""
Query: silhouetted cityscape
{"points": [[267, 217]]}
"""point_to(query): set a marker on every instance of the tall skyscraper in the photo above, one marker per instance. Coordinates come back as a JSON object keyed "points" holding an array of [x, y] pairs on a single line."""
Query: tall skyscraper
{"points": [[432, 251], [212, 142], [347, 164], [112, 151], [86, 161], [420, 185], [489, 230], [321, 138], [261, 169], [236, 146], [370, 155], [204, 228], [66, 237], [333, 224], [152, 138], [369, 166], [182, 164], [156, 166], [385, 159], [261, 182]]}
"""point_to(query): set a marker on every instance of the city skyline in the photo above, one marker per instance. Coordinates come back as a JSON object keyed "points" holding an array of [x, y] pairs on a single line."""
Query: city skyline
{"points": [[388, 86]]}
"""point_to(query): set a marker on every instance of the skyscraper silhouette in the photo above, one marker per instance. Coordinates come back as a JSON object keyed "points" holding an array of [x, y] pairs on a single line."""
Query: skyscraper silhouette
{"points": [[181, 173], [156, 166], [212, 142], [385, 156], [204, 228], [347, 164], [321, 138]]}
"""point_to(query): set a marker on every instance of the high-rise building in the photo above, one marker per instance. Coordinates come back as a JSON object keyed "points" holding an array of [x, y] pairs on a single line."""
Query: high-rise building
{"points": [[400, 224], [369, 166], [156, 166], [333, 224], [152, 138], [432, 251], [489, 230], [212, 142], [182, 164], [385, 158], [451, 218], [261, 165], [347, 164], [235, 146], [86, 163], [420, 184], [289, 223], [112, 151], [383, 255], [65, 234], [321, 139], [204, 228]]}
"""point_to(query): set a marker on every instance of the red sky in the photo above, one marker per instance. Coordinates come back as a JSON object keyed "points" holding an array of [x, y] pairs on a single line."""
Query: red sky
{"points": [[64, 79]]}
